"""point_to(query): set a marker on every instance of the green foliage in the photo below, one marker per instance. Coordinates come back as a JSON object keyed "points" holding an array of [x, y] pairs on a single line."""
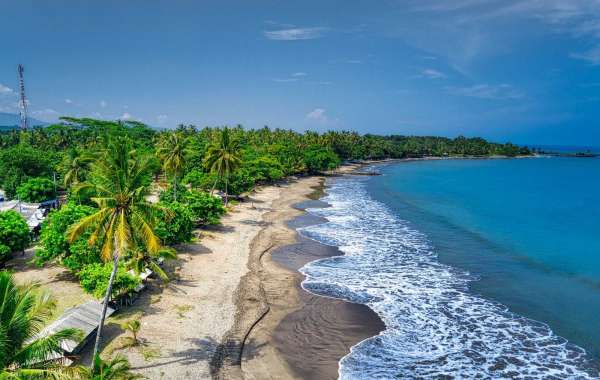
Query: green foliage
{"points": [[177, 227], [54, 243], [14, 233], [94, 279], [25, 311], [204, 208], [36, 190], [21, 162], [264, 168], [167, 195], [319, 159], [198, 179]]}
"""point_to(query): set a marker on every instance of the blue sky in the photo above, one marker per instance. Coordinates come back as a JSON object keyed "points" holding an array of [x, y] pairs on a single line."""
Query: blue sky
{"points": [[521, 70]]}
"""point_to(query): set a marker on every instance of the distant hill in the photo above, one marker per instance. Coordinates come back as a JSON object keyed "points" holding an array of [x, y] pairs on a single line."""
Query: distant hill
{"points": [[10, 120]]}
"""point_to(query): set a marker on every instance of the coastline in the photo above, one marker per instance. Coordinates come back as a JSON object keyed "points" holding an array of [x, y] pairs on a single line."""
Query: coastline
{"points": [[282, 331]]}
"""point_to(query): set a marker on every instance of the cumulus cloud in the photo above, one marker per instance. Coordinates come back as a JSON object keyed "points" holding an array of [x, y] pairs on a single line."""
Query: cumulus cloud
{"points": [[485, 91], [294, 34], [5, 89], [319, 115], [162, 118], [125, 116], [433, 74], [299, 74], [68, 101], [103, 103]]}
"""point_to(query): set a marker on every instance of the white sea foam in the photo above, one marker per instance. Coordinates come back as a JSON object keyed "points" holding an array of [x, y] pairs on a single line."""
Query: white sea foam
{"points": [[435, 328]]}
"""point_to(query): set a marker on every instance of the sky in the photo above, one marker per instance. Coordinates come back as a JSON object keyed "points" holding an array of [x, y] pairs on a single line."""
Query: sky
{"points": [[526, 71]]}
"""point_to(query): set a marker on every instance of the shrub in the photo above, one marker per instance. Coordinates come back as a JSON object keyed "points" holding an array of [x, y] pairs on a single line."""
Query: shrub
{"points": [[198, 179], [36, 190], [205, 208], [94, 279], [14, 233], [178, 227], [265, 168], [21, 162], [53, 240], [319, 159], [167, 196]]}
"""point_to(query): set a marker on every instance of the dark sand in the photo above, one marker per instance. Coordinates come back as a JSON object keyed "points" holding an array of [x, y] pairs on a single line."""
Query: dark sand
{"points": [[315, 337]]}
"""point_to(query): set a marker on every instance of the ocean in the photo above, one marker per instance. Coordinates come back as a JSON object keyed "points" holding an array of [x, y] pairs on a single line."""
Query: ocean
{"points": [[480, 269]]}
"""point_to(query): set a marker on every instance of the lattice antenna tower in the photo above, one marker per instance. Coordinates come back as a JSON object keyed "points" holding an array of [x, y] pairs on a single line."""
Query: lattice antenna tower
{"points": [[23, 99]]}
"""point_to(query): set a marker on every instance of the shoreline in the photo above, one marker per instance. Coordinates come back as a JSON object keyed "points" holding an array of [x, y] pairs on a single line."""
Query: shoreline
{"points": [[282, 331]]}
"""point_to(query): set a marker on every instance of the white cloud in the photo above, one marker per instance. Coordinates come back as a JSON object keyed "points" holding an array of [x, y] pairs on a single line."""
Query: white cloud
{"points": [[322, 83], [318, 114], [103, 103], [299, 74], [68, 101], [433, 74], [125, 116], [295, 34], [5, 89], [485, 91], [285, 80], [591, 56], [162, 118]]}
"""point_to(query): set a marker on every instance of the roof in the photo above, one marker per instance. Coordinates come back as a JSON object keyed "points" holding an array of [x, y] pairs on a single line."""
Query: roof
{"points": [[84, 317]]}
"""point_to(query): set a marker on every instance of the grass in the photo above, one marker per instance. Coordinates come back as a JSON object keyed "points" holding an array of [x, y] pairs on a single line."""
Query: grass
{"points": [[182, 309], [150, 353]]}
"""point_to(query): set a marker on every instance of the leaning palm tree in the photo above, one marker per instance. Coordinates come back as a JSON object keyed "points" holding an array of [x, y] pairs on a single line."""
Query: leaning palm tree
{"points": [[24, 354], [222, 158], [171, 150], [124, 218]]}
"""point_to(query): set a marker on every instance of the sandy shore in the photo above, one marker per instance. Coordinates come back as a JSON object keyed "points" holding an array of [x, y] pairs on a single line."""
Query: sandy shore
{"points": [[281, 331], [183, 322]]}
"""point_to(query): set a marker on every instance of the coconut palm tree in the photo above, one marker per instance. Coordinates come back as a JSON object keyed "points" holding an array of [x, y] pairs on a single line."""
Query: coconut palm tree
{"points": [[140, 259], [223, 157], [171, 149], [78, 164], [23, 353], [124, 218], [116, 369]]}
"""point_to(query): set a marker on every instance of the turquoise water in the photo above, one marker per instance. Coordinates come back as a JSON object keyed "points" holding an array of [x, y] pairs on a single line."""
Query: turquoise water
{"points": [[478, 268], [529, 229]]}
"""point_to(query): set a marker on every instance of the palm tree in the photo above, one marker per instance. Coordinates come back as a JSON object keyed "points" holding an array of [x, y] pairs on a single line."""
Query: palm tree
{"points": [[78, 164], [134, 327], [140, 259], [23, 353], [115, 369], [223, 158], [171, 150], [124, 218]]}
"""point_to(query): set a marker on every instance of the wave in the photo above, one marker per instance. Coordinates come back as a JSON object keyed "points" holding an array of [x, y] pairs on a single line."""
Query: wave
{"points": [[435, 327]]}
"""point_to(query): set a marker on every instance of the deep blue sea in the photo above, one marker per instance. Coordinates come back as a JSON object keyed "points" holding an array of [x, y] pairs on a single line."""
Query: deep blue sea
{"points": [[479, 268]]}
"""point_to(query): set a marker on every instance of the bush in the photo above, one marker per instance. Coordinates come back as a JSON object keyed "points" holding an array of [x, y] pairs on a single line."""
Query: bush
{"points": [[94, 279], [318, 159], [14, 233], [265, 168], [205, 208], [21, 162], [53, 240], [178, 227], [36, 190], [198, 179], [167, 196]]}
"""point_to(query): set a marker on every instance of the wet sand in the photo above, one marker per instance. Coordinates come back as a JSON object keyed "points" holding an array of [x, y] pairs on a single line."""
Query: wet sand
{"points": [[280, 330]]}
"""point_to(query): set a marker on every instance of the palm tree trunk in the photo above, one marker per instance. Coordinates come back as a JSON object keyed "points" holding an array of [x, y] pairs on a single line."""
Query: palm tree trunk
{"points": [[215, 184], [226, 196], [175, 187], [105, 304]]}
